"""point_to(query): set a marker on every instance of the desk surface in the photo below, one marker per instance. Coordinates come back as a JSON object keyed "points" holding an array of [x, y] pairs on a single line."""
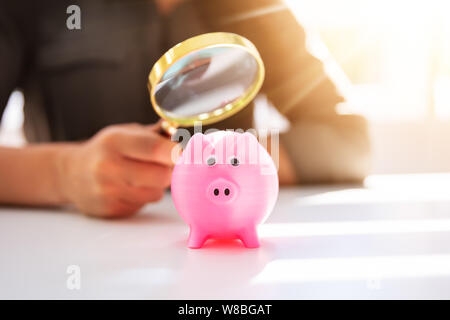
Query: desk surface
{"points": [[390, 239]]}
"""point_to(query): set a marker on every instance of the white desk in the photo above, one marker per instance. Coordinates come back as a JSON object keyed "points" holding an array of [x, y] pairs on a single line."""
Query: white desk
{"points": [[390, 240]]}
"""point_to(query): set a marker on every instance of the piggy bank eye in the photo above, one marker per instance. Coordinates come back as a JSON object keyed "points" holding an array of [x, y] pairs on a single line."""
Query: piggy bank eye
{"points": [[211, 161], [234, 161]]}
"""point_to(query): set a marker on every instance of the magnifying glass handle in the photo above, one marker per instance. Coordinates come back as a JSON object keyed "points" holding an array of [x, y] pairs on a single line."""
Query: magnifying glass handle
{"points": [[164, 128], [159, 128]]}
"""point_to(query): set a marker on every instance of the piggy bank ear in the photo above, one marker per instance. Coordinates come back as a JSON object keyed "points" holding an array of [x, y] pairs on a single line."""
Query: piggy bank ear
{"points": [[193, 153], [250, 137], [247, 148]]}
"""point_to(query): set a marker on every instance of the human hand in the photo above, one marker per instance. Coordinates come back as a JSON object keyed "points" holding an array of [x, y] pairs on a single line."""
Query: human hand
{"points": [[117, 171]]}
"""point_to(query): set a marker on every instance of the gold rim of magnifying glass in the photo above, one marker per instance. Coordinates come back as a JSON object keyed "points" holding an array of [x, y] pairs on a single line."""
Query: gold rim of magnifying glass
{"points": [[207, 40]]}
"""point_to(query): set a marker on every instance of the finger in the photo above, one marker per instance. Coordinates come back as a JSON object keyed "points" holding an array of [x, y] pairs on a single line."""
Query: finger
{"points": [[157, 126], [142, 144], [118, 208], [122, 200], [136, 196], [113, 208], [162, 128], [144, 174]]}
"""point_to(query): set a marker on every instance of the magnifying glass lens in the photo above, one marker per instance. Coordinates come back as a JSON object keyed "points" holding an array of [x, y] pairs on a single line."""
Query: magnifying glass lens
{"points": [[206, 78]]}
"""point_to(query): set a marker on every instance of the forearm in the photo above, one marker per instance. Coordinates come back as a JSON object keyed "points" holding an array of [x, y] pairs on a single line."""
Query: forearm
{"points": [[31, 175], [334, 149]]}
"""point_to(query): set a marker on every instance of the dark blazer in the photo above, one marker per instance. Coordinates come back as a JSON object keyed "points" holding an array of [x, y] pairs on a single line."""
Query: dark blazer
{"points": [[76, 82]]}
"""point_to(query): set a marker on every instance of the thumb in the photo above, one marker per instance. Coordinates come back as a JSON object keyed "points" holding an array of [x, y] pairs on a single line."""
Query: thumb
{"points": [[163, 128]]}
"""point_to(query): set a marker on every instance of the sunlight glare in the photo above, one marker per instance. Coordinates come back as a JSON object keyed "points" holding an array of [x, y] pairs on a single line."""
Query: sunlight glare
{"points": [[353, 268]]}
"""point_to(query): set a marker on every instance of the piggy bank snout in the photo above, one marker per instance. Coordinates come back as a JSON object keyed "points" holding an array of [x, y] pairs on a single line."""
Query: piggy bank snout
{"points": [[222, 190]]}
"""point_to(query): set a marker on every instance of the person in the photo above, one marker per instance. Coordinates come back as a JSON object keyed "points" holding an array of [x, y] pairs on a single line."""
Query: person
{"points": [[91, 130]]}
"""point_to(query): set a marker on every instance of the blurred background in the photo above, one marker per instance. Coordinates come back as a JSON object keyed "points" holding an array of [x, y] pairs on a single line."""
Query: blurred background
{"points": [[393, 59]]}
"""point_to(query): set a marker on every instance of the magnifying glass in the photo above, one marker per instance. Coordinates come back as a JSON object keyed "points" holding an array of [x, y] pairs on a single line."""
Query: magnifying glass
{"points": [[205, 79]]}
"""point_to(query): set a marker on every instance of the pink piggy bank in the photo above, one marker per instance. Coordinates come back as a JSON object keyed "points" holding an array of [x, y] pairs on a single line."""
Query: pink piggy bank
{"points": [[224, 185]]}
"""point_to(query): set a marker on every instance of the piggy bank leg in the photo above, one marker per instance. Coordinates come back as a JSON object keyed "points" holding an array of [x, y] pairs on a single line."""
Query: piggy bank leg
{"points": [[196, 238], [249, 237]]}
